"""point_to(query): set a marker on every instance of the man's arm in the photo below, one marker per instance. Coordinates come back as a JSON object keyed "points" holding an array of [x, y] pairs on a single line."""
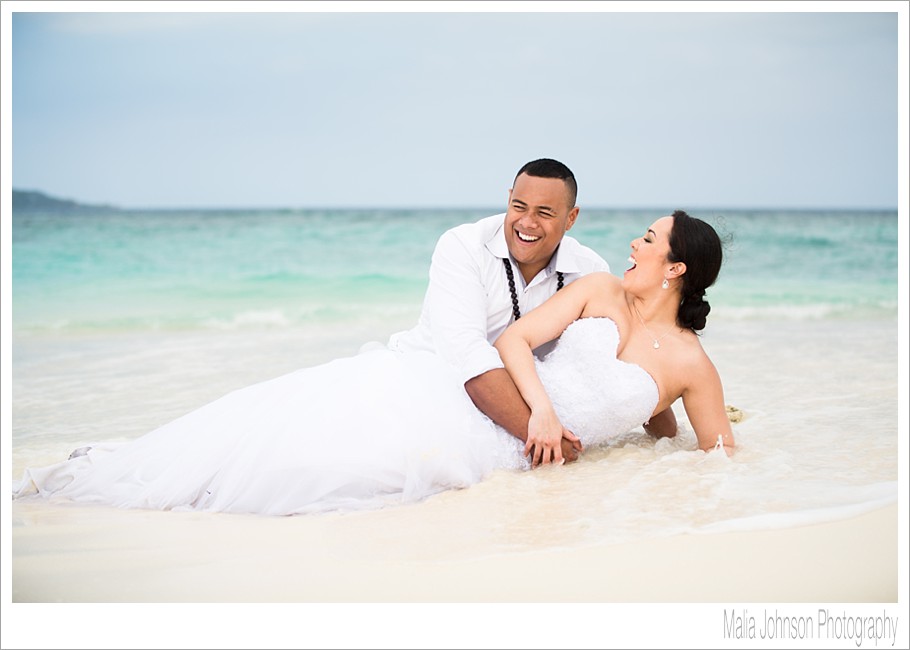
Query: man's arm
{"points": [[496, 395], [662, 425], [457, 300]]}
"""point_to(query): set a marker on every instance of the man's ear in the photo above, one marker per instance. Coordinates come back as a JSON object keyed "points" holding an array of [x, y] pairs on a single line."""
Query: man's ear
{"points": [[570, 221]]}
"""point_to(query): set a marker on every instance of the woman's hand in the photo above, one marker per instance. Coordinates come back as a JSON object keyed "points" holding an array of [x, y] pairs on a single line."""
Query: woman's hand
{"points": [[545, 435]]}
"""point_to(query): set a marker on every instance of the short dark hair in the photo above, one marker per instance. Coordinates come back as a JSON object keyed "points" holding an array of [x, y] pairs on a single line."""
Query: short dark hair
{"points": [[549, 168]]}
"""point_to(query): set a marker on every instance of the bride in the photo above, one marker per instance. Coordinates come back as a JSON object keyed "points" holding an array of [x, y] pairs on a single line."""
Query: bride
{"points": [[652, 330], [388, 427]]}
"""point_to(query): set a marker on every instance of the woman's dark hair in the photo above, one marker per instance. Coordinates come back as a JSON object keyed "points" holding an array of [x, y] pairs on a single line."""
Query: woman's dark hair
{"points": [[697, 245]]}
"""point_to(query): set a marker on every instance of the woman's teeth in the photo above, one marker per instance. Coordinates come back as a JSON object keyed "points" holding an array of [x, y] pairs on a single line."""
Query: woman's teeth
{"points": [[633, 262]]}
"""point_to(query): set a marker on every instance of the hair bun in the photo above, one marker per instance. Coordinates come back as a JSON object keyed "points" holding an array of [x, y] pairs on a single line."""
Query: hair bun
{"points": [[693, 312]]}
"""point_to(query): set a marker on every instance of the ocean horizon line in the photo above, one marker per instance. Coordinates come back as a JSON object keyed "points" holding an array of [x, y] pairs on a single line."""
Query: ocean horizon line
{"points": [[38, 200]]}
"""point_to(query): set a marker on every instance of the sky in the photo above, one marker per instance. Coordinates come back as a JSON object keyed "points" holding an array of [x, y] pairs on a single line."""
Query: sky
{"points": [[428, 108]]}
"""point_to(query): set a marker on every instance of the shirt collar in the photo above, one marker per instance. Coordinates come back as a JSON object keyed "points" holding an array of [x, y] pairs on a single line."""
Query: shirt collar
{"points": [[565, 259], [497, 243]]}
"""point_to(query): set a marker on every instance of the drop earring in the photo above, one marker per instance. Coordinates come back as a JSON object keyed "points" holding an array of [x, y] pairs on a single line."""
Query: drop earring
{"points": [[665, 284]]}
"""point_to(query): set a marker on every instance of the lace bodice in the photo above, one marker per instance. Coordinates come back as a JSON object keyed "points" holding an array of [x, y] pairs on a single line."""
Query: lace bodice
{"points": [[596, 395]]}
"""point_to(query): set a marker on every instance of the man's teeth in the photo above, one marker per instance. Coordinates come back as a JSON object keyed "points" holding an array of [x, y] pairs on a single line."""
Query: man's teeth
{"points": [[527, 238]]}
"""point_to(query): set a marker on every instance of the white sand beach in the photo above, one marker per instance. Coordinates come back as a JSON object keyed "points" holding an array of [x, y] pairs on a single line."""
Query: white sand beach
{"points": [[69, 555], [328, 565]]}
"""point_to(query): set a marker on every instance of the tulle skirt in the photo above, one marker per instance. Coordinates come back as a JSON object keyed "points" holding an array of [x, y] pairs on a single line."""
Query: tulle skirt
{"points": [[358, 432]]}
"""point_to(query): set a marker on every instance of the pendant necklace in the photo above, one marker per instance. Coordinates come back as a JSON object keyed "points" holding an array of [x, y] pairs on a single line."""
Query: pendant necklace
{"points": [[516, 312], [642, 321]]}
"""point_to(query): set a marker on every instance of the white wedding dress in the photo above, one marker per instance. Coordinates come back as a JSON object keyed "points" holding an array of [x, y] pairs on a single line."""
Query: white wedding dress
{"points": [[365, 431]]}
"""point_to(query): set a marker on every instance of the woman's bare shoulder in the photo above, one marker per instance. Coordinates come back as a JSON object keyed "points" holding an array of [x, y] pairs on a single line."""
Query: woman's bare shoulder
{"points": [[599, 281], [695, 359], [603, 294]]}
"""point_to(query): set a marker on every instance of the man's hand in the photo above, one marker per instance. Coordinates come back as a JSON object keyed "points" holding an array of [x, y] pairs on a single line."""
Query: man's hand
{"points": [[662, 425]]}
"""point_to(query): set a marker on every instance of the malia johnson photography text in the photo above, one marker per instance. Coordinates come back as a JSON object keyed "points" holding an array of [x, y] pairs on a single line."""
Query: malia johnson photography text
{"points": [[826, 625]]}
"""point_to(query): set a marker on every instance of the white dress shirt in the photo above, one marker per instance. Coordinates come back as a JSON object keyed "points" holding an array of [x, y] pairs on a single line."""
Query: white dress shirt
{"points": [[468, 303]]}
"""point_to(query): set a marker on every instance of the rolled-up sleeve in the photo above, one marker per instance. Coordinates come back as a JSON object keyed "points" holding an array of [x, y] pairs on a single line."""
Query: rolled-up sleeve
{"points": [[458, 308]]}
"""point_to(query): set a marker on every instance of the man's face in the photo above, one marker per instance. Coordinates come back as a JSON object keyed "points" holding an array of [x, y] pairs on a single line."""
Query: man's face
{"points": [[538, 216]]}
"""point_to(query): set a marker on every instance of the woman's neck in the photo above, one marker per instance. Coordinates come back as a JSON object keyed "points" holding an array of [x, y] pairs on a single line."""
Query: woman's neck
{"points": [[658, 309]]}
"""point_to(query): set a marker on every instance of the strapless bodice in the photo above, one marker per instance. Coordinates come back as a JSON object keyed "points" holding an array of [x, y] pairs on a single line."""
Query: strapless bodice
{"points": [[596, 395]]}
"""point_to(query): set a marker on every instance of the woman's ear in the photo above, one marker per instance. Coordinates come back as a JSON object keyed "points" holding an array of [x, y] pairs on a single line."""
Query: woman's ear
{"points": [[676, 269]]}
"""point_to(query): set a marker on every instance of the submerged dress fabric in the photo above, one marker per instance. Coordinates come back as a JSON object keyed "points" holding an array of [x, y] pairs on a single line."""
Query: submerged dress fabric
{"points": [[378, 428]]}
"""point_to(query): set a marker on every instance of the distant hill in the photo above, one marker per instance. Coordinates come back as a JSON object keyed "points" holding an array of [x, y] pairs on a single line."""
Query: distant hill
{"points": [[32, 201]]}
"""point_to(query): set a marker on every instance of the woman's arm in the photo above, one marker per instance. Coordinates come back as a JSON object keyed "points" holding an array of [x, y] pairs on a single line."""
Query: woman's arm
{"points": [[495, 394], [703, 399], [539, 326]]}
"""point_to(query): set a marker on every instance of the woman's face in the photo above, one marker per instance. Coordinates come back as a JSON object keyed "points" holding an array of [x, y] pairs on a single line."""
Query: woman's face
{"points": [[649, 257]]}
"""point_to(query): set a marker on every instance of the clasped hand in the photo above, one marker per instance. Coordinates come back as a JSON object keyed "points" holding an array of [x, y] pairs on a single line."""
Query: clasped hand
{"points": [[549, 441]]}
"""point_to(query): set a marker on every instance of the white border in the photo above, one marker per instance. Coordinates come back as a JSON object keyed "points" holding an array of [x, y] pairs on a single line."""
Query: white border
{"points": [[411, 625]]}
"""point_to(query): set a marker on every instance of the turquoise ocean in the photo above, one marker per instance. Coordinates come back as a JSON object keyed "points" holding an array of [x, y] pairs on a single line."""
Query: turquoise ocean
{"points": [[124, 320], [209, 270]]}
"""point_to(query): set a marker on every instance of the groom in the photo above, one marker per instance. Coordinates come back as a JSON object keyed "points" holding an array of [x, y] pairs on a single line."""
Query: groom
{"points": [[486, 274]]}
